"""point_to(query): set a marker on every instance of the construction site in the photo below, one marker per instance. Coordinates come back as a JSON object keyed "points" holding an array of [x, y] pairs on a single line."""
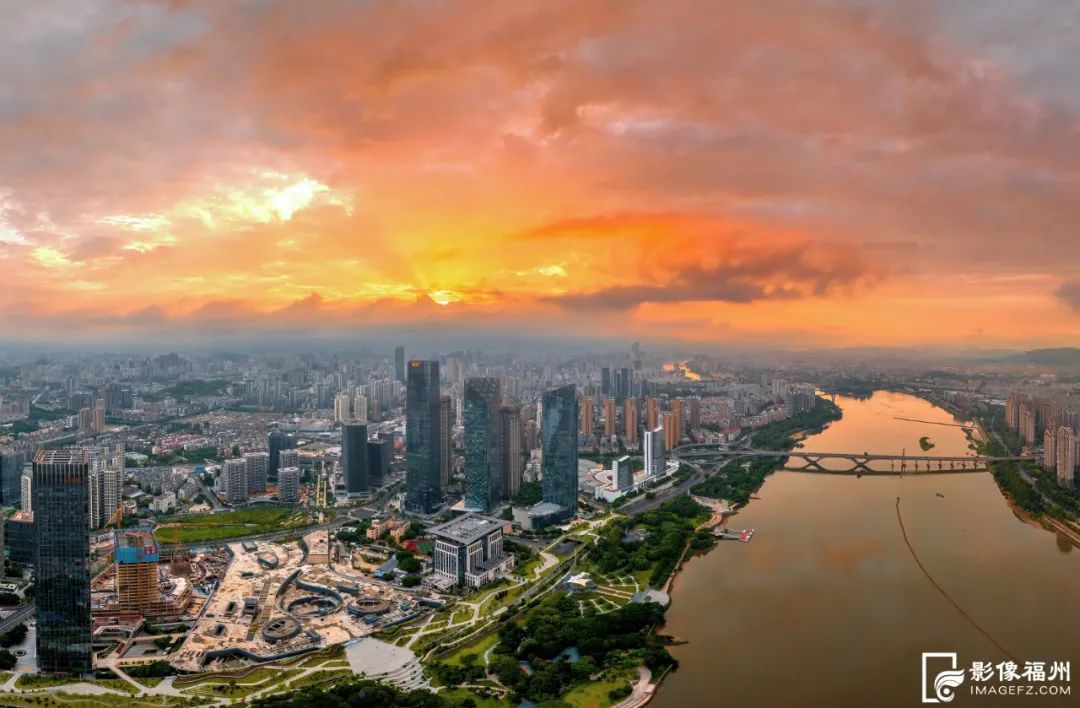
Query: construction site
{"points": [[275, 600]]}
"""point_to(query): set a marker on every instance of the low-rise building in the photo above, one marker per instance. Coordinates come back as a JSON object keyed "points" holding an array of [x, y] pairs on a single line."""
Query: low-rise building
{"points": [[469, 550]]}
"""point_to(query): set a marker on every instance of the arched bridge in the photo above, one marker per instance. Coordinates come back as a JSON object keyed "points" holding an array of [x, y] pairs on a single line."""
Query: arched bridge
{"points": [[860, 462]]}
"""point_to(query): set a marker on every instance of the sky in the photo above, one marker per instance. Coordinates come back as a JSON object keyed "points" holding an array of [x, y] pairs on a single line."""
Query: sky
{"points": [[783, 173]]}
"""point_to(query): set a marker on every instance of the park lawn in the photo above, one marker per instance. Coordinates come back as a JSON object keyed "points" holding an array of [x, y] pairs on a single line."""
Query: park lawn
{"points": [[319, 677], [231, 524], [478, 647], [460, 694], [149, 681], [68, 700], [593, 694]]}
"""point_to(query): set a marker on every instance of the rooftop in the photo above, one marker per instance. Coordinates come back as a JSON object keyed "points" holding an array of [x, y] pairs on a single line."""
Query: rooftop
{"points": [[467, 528]]}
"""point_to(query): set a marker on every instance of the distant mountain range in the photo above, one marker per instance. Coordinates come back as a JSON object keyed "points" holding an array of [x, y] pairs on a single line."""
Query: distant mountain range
{"points": [[1061, 356]]}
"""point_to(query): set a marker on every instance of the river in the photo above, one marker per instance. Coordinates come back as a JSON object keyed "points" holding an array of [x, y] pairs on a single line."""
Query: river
{"points": [[827, 607]]}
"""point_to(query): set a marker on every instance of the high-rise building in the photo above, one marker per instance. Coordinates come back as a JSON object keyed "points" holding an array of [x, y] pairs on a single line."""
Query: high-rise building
{"points": [[609, 417], [62, 560], [27, 495], [652, 413], [234, 480], [671, 431], [354, 457], [342, 410], [276, 442], [622, 473], [137, 586], [288, 457], [483, 451], [11, 472], [605, 381], [289, 484], [399, 363], [680, 419], [446, 439], [630, 420], [695, 413], [1067, 455], [1050, 450], [380, 457], [257, 465], [513, 451], [99, 416], [423, 438], [586, 424], [360, 408], [559, 436], [86, 419], [653, 451]]}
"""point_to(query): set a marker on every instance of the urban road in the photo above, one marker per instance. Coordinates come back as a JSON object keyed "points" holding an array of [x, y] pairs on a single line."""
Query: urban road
{"points": [[20, 614]]}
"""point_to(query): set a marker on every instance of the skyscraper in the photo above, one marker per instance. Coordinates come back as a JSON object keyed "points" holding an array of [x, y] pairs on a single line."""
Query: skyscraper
{"points": [[559, 436], [586, 424], [622, 473], [423, 438], [380, 456], [62, 560], [342, 408], [652, 413], [446, 439], [671, 431], [99, 416], [653, 451], [483, 459], [1067, 456], [399, 363], [513, 451], [11, 469], [605, 381], [354, 457]]}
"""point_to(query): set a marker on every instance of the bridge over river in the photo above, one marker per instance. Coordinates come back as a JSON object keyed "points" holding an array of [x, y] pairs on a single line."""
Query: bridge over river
{"points": [[860, 461]]}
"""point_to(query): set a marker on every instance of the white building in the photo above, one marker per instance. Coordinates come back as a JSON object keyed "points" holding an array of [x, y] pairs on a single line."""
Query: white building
{"points": [[359, 411], [257, 464], [341, 408], [468, 550], [289, 484], [27, 496], [234, 480], [653, 450]]}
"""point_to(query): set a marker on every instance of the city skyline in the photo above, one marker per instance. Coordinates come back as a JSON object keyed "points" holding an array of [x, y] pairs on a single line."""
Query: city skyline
{"points": [[891, 174]]}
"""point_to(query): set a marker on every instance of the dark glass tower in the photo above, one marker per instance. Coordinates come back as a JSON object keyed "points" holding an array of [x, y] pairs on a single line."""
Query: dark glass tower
{"points": [[62, 560], [423, 451], [558, 440], [278, 441], [380, 456], [354, 457], [11, 468], [605, 381], [483, 461], [399, 363]]}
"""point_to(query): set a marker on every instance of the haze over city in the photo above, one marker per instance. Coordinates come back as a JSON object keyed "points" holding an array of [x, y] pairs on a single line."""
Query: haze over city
{"points": [[777, 173]]}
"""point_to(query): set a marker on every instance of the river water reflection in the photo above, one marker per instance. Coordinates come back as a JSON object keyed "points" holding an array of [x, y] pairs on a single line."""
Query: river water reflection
{"points": [[826, 607]]}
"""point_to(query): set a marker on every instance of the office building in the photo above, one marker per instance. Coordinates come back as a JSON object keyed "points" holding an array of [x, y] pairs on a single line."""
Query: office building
{"points": [[446, 439], [354, 457], [622, 473], [19, 537], [653, 451], [380, 457], [27, 496], [483, 460], [605, 381], [234, 480], [258, 463], [399, 363], [513, 450], [62, 560], [559, 435], [469, 550], [289, 484], [11, 472], [424, 443]]}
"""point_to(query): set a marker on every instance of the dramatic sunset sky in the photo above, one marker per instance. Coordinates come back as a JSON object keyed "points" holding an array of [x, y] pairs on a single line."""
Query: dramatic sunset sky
{"points": [[776, 172]]}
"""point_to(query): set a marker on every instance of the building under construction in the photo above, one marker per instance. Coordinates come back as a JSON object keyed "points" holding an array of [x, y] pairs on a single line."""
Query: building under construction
{"points": [[140, 584]]}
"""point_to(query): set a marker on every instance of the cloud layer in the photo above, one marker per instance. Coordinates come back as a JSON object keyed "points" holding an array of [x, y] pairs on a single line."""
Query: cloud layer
{"points": [[787, 171]]}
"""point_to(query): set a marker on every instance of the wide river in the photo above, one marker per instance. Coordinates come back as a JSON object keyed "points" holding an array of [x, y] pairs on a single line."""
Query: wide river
{"points": [[827, 607]]}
